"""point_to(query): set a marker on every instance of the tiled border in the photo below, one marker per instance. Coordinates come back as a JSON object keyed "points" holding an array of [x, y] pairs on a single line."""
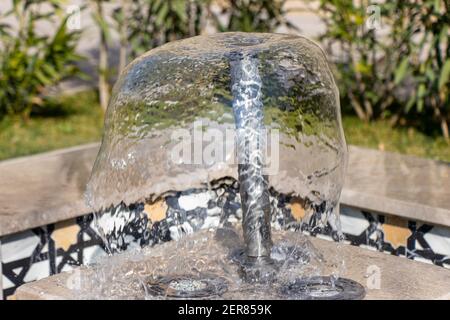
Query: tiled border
{"points": [[47, 250], [397, 236], [1, 272], [38, 253]]}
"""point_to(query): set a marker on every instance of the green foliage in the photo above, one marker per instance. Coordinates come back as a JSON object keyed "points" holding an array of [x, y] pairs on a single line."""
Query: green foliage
{"points": [[368, 69], [378, 134], [430, 61], [30, 63], [398, 70], [63, 121], [251, 16], [151, 23]]}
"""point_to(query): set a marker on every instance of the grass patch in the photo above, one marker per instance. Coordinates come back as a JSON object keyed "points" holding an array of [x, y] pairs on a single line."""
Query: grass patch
{"points": [[65, 121], [76, 119], [380, 135]]}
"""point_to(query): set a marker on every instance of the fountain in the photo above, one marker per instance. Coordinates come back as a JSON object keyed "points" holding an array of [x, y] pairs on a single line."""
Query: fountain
{"points": [[260, 111]]}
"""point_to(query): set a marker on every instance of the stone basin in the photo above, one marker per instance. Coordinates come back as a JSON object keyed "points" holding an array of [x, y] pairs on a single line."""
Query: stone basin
{"points": [[383, 276]]}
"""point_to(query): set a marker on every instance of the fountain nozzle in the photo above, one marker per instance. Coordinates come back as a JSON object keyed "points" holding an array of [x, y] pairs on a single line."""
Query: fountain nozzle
{"points": [[258, 270]]}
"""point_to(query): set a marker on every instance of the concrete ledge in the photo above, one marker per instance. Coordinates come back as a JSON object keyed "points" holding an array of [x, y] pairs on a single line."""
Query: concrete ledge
{"points": [[410, 187], [46, 188]]}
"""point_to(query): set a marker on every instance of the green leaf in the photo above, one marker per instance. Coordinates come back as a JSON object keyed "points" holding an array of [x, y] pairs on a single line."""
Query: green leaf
{"points": [[162, 13], [363, 67], [445, 74], [420, 104], [50, 71], [421, 92], [42, 78], [401, 70], [179, 6], [437, 6], [103, 25], [443, 36], [410, 103]]}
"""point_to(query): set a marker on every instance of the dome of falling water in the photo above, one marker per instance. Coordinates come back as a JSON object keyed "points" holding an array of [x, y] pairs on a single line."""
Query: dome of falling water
{"points": [[262, 107], [253, 115], [258, 109]]}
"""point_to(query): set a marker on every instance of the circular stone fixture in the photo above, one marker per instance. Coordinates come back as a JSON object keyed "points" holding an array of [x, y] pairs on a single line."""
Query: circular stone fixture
{"points": [[186, 287], [323, 288]]}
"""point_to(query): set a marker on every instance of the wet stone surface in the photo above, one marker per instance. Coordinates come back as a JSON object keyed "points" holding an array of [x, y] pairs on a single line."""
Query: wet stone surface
{"points": [[199, 266]]}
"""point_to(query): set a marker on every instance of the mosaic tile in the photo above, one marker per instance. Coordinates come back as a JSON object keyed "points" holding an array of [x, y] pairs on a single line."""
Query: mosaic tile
{"points": [[156, 211], [65, 234], [6, 283], [1, 273], [353, 221], [439, 239], [297, 207], [37, 270], [19, 246], [396, 231]]}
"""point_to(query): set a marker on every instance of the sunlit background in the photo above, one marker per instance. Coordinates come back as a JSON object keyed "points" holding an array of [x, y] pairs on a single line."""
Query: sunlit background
{"points": [[59, 60]]}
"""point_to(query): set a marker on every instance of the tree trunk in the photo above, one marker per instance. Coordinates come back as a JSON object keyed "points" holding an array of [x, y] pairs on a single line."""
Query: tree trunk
{"points": [[357, 107], [445, 131], [192, 17], [103, 86], [123, 36], [441, 117]]}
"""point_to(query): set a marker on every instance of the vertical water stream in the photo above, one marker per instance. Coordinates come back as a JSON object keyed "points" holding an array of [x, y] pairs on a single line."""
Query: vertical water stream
{"points": [[250, 138]]}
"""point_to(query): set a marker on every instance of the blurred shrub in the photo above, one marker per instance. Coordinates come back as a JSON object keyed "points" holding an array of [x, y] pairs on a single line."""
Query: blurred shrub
{"points": [[163, 21], [397, 67], [30, 63], [429, 61], [145, 24], [251, 15], [150, 23]]}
